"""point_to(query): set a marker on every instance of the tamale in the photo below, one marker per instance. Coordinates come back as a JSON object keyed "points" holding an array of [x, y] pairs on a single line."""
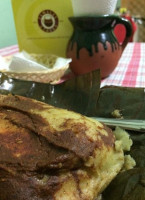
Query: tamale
{"points": [[51, 153]]}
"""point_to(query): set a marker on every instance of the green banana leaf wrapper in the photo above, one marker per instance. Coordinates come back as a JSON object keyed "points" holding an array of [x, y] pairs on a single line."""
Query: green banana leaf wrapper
{"points": [[78, 94], [128, 185], [83, 95], [129, 101]]}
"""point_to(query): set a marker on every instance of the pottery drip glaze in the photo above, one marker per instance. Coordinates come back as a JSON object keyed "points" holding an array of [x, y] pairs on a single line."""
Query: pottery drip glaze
{"points": [[93, 44]]}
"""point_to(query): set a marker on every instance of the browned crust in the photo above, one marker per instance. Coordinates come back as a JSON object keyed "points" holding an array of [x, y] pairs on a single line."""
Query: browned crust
{"points": [[23, 187], [29, 148], [79, 144]]}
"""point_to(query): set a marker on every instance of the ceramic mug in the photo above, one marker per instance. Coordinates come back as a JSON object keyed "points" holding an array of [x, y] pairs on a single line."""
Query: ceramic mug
{"points": [[93, 43]]}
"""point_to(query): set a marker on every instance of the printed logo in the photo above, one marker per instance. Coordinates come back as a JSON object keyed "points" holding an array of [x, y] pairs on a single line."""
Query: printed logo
{"points": [[48, 20]]}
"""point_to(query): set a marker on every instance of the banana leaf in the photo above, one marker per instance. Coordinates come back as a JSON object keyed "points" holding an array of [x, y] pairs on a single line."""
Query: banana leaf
{"points": [[129, 101], [128, 185], [78, 94], [83, 95], [138, 153], [138, 149]]}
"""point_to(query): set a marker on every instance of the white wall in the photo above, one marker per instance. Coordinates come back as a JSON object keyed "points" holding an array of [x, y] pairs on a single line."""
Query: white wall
{"points": [[7, 27]]}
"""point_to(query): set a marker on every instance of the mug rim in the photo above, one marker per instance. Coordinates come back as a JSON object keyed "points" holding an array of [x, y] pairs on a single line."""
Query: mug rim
{"points": [[95, 16]]}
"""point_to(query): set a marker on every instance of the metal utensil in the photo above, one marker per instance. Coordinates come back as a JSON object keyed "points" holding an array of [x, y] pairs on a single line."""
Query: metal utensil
{"points": [[128, 124]]}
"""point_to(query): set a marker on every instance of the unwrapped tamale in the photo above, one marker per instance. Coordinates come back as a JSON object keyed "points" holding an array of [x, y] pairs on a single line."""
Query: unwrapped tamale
{"points": [[48, 153]]}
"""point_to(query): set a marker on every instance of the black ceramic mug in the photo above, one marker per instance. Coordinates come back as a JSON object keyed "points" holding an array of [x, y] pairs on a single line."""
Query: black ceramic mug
{"points": [[93, 43]]}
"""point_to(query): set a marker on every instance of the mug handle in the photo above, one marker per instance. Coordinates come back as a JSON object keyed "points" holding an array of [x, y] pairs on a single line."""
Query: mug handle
{"points": [[129, 29]]}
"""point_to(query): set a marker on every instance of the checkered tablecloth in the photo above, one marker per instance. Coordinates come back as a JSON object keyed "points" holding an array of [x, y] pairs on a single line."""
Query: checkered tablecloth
{"points": [[130, 71], [8, 51]]}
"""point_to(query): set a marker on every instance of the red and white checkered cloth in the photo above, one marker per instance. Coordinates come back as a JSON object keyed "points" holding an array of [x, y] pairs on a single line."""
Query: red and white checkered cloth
{"points": [[8, 51], [130, 71]]}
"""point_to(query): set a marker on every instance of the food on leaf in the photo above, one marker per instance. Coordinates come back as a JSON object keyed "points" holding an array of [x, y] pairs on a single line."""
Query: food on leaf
{"points": [[52, 153]]}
